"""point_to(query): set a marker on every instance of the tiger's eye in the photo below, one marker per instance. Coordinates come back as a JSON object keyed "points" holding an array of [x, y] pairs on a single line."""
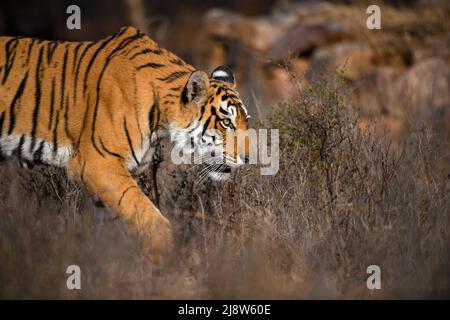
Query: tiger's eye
{"points": [[226, 122]]}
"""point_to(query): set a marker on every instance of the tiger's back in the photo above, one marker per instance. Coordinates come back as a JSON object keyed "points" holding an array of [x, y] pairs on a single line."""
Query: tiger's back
{"points": [[49, 90]]}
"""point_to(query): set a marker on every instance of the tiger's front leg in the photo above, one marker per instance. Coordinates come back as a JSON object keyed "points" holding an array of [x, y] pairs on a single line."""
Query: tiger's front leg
{"points": [[109, 179]]}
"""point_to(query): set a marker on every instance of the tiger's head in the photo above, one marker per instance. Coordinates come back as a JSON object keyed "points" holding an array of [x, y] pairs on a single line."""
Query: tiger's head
{"points": [[215, 120]]}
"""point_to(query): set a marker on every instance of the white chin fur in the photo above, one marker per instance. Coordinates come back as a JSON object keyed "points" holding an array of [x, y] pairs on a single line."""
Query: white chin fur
{"points": [[219, 176]]}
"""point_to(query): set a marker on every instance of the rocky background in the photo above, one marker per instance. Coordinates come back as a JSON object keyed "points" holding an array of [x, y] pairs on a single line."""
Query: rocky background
{"points": [[395, 73]]}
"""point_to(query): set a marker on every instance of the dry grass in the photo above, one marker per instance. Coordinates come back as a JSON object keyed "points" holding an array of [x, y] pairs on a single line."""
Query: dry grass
{"points": [[343, 199]]}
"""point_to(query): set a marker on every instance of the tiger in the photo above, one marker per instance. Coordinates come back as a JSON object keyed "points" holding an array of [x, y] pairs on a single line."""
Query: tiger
{"points": [[99, 110]]}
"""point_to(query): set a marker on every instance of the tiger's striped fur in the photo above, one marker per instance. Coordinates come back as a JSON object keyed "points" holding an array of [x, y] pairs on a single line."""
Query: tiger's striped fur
{"points": [[98, 108]]}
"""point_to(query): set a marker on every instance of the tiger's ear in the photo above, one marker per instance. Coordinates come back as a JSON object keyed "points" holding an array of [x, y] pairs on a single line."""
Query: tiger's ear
{"points": [[223, 73], [196, 90]]}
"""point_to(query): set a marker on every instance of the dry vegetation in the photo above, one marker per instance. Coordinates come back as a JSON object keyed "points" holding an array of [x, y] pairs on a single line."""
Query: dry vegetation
{"points": [[344, 198]]}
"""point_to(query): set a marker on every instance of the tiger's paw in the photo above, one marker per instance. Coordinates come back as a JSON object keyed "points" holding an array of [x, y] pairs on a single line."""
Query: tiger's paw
{"points": [[159, 244]]}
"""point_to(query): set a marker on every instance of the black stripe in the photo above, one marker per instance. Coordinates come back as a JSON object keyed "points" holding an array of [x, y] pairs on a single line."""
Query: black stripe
{"points": [[97, 149], [37, 99], [129, 140], [153, 114], [77, 69], [94, 56], [178, 62], [171, 95], [223, 110], [62, 100], [52, 102], [37, 157], [66, 118], [126, 42], [108, 151], [202, 112], [233, 96], [75, 83], [30, 48], [51, 47], [205, 126], [83, 53], [2, 121], [63, 79], [19, 92], [176, 88], [173, 76], [126, 52], [75, 55], [145, 51], [150, 65], [123, 193], [20, 147], [55, 134], [10, 52]]}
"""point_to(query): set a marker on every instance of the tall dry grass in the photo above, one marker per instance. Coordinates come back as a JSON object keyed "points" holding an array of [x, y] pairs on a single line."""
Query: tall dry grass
{"points": [[343, 199]]}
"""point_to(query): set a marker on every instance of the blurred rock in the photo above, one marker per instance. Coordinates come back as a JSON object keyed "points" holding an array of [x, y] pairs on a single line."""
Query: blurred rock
{"points": [[303, 39], [433, 47], [221, 23], [372, 91], [421, 92], [355, 58], [284, 82], [257, 33], [265, 32], [424, 89]]}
